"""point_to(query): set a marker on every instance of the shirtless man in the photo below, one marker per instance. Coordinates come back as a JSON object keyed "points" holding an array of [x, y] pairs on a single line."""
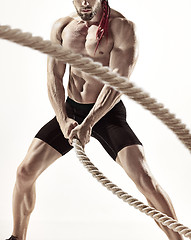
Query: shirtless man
{"points": [[91, 108]]}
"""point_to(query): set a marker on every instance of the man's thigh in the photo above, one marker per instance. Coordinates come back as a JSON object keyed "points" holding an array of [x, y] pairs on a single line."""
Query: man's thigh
{"points": [[51, 134], [113, 132]]}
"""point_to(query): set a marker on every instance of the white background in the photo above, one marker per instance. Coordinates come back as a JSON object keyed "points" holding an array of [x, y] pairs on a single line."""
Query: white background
{"points": [[70, 203]]}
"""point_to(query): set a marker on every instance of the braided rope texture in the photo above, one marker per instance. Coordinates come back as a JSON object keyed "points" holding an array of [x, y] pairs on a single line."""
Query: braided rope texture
{"points": [[152, 212], [103, 74], [121, 84]]}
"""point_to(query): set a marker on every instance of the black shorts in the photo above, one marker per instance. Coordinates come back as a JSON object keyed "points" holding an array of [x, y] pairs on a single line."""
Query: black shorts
{"points": [[112, 131]]}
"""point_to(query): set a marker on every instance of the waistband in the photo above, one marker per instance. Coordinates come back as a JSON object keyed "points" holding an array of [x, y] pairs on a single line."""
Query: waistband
{"points": [[79, 106]]}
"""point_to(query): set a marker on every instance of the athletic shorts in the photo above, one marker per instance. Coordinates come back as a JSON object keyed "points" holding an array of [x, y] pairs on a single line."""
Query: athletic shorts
{"points": [[112, 130]]}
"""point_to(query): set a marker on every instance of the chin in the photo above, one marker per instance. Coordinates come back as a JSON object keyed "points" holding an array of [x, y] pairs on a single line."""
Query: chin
{"points": [[87, 17]]}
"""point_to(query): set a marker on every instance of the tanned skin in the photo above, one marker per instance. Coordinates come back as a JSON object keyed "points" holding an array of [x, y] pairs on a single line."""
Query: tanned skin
{"points": [[78, 33]]}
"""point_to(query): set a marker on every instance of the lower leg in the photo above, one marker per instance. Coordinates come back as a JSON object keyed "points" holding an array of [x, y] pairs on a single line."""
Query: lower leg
{"points": [[161, 201], [133, 162], [39, 157], [23, 205]]}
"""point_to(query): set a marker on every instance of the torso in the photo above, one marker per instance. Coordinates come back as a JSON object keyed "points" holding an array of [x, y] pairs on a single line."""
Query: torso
{"points": [[82, 39]]}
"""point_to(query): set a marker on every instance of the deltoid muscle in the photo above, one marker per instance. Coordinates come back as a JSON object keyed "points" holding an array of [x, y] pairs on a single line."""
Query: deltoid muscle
{"points": [[105, 75]]}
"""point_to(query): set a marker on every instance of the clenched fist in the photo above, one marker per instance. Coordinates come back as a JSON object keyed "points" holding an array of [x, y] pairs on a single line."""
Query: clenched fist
{"points": [[82, 132]]}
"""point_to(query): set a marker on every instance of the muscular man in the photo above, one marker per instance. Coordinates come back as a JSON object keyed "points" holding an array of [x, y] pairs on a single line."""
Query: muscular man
{"points": [[91, 109]]}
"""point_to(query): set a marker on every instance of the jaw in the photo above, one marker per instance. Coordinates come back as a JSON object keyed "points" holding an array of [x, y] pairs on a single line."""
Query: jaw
{"points": [[91, 14], [87, 16]]}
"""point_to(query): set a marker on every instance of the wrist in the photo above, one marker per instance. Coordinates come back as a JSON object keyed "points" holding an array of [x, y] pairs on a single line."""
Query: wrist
{"points": [[88, 122], [62, 118]]}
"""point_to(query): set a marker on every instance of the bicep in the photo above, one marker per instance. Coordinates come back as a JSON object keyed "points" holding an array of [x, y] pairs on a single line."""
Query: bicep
{"points": [[122, 60], [55, 67], [125, 50]]}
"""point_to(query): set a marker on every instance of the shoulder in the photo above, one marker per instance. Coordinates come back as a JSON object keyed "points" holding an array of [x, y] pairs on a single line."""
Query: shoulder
{"points": [[120, 25], [57, 28]]}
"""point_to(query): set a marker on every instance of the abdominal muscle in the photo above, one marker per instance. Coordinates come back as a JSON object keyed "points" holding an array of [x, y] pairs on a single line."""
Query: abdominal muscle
{"points": [[83, 88]]}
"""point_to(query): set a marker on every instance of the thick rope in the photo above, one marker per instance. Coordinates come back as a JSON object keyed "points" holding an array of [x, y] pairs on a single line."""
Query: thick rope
{"points": [[152, 212], [103, 74], [121, 84]]}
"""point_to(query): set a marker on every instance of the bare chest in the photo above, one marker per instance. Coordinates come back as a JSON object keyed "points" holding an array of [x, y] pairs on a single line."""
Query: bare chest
{"points": [[82, 39]]}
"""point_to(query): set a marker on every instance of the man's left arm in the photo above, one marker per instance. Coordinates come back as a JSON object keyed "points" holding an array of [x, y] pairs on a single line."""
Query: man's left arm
{"points": [[122, 60]]}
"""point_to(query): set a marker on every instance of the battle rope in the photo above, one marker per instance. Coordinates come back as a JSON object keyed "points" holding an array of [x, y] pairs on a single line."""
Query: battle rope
{"points": [[105, 75], [152, 212]]}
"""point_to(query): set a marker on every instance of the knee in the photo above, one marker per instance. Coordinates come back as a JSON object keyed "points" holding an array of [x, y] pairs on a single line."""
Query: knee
{"points": [[25, 176], [23, 173]]}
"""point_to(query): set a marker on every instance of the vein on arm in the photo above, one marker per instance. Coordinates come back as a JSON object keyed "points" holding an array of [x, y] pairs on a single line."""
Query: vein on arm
{"points": [[123, 58]]}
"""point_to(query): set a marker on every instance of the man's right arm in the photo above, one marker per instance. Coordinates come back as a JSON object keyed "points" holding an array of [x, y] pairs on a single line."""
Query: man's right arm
{"points": [[55, 74]]}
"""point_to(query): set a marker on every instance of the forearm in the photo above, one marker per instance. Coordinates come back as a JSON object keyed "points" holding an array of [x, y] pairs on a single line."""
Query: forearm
{"points": [[106, 100], [56, 93], [123, 58]]}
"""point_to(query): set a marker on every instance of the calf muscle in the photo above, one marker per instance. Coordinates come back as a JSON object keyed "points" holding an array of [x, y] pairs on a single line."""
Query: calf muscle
{"points": [[39, 156]]}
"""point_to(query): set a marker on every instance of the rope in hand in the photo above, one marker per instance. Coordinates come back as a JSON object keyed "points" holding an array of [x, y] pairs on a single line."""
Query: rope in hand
{"points": [[121, 84], [103, 74]]}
